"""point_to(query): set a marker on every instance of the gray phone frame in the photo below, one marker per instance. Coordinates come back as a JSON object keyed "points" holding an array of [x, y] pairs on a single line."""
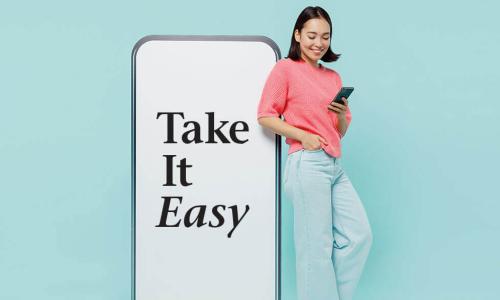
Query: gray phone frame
{"points": [[252, 38]]}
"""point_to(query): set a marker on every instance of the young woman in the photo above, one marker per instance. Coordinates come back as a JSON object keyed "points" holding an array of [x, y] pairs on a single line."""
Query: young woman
{"points": [[332, 234]]}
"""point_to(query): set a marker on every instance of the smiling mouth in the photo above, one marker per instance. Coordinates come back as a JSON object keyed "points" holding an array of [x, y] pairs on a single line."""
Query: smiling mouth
{"points": [[317, 51]]}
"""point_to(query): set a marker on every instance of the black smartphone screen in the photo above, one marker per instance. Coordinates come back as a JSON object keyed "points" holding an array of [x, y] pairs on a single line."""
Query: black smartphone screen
{"points": [[344, 92]]}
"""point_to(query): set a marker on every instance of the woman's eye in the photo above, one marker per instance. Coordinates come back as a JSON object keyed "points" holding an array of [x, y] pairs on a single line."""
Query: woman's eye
{"points": [[313, 37]]}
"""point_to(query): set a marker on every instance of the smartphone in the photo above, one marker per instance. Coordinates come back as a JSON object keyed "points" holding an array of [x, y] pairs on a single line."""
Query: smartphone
{"points": [[344, 92], [164, 246]]}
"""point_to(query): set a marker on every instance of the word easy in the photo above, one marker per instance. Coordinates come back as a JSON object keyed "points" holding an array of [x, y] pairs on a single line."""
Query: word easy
{"points": [[199, 212]]}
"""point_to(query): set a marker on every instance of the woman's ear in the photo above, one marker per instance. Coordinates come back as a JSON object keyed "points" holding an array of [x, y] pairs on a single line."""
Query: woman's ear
{"points": [[297, 35]]}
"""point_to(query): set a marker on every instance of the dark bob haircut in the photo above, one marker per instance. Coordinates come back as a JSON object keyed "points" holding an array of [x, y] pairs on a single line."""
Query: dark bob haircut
{"points": [[308, 13]]}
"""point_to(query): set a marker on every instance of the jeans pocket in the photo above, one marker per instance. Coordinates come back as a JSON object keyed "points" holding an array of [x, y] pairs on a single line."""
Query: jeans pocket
{"points": [[339, 240]]}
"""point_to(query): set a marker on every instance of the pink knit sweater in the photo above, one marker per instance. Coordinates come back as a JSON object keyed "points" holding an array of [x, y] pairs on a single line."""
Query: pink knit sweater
{"points": [[301, 93]]}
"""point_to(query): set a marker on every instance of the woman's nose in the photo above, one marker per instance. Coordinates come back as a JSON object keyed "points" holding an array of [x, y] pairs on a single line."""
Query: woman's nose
{"points": [[317, 42]]}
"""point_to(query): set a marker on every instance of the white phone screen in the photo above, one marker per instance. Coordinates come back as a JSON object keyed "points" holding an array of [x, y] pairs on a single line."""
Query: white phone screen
{"points": [[206, 195]]}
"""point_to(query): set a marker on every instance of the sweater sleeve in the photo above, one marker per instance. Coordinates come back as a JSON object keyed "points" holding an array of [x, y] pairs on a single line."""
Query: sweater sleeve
{"points": [[274, 94]]}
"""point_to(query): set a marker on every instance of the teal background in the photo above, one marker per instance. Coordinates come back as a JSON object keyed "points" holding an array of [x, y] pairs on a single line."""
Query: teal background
{"points": [[422, 149]]}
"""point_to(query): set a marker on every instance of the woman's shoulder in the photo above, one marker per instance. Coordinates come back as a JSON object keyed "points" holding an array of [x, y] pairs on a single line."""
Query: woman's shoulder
{"points": [[286, 66], [282, 67], [284, 63], [332, 71], [334, 75]]}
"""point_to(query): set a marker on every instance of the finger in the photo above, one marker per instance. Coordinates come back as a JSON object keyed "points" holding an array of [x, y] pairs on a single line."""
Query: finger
{"points": [[340, 105], [337, 106], [323, 140], [337, 110]]}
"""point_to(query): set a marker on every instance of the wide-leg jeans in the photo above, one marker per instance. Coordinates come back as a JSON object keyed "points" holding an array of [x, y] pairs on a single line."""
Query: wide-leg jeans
{"points": [[332, 234]]}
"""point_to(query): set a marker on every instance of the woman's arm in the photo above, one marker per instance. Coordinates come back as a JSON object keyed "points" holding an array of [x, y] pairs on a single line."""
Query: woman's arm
{"points": [[309, 141], [341, 111], [282, 128], [341, 125]]}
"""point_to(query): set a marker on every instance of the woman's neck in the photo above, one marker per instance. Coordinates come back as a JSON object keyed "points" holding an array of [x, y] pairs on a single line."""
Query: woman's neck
{"points": [[313, 64]]}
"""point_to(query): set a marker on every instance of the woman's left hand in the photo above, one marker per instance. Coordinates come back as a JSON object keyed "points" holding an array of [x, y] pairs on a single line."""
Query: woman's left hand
{"points": [[339, 109]]}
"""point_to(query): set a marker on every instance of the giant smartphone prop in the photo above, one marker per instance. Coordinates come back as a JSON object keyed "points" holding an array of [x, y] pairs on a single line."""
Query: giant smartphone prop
{"points": [[205, 175]]}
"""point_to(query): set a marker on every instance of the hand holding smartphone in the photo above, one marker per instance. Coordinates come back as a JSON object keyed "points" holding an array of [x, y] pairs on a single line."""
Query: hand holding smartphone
{"points": [[344, 92]]}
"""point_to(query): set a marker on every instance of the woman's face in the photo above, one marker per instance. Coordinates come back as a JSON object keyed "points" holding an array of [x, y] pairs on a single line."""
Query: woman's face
{"points": [[314, 39]]}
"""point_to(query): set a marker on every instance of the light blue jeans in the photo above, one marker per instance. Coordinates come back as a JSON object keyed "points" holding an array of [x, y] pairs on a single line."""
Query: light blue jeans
{"points": [[332, 234]]}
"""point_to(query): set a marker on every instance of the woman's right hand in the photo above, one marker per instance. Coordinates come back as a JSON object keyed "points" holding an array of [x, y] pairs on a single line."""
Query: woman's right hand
{"points": [[313, 142]]}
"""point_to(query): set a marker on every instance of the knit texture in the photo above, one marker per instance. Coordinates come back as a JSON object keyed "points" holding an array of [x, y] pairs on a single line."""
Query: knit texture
{"points": [[301, 93]]}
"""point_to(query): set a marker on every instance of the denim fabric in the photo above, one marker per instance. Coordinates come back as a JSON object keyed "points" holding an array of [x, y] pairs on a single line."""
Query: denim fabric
{"points": [[332, 234]]}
